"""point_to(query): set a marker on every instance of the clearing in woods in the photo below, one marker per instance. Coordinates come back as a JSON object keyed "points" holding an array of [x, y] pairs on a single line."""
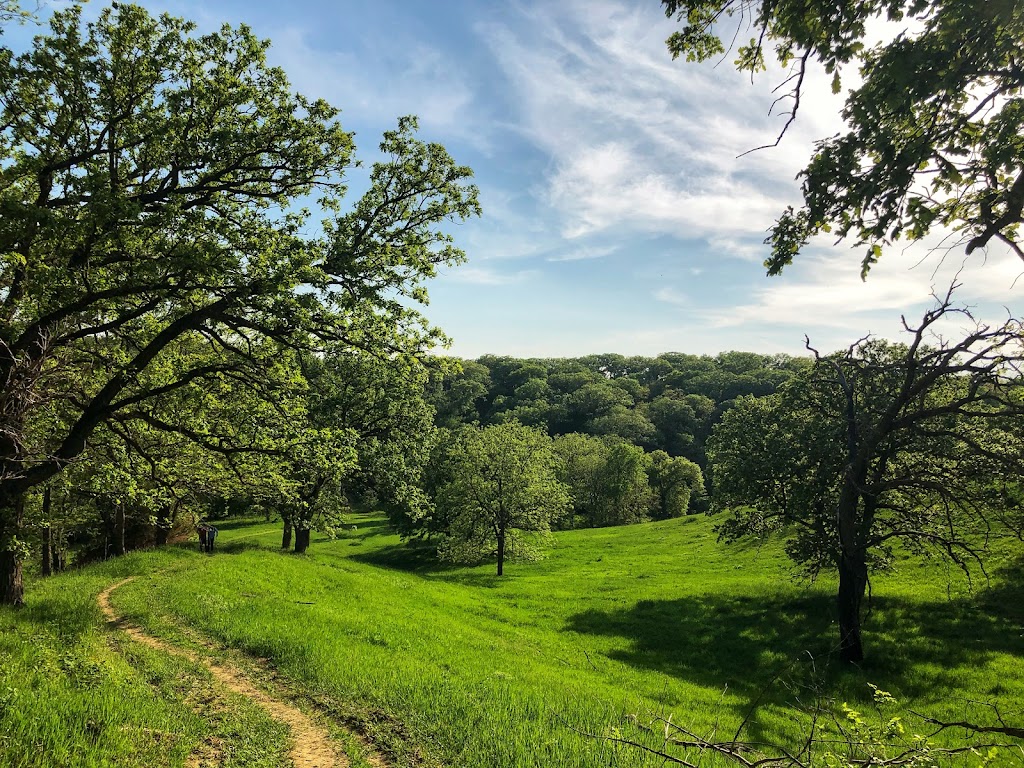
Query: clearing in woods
{"points": [[437, 665]]}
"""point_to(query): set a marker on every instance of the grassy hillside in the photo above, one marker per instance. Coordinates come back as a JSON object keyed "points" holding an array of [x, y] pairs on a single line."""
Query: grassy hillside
{"points": [[456, 666]]}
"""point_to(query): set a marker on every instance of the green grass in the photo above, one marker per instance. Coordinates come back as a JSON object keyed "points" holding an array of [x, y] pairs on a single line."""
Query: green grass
{"points": [[455, 666], [74, 694]]}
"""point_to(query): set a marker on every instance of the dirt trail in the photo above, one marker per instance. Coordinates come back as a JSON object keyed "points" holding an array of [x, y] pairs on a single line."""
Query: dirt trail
{"points": [[311, 744]]}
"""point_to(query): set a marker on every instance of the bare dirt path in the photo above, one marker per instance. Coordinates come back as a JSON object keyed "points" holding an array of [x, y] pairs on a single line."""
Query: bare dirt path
{"points": [[311, 744]]}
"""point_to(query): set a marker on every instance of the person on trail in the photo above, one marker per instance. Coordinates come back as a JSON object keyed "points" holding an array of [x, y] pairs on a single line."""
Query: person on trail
{"points": [[207, 535]]}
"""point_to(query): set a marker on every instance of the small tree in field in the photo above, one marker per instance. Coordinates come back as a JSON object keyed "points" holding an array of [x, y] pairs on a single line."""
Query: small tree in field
{"points": [[916, 444], [674, 480], [500, 493]]}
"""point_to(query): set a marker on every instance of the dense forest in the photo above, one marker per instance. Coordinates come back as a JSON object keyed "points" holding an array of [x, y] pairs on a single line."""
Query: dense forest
{"points": [[631, 435]]}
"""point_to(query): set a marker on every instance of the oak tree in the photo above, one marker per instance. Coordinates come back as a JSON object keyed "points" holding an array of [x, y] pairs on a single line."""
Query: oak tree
{"points": [[917, 444], [932, 136], [501, 493], [149, 192]]}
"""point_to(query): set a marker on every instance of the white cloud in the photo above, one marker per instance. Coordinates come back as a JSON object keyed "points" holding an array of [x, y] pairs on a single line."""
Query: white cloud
{"points": [[487, 276], [822, 294], [672, 296], [585, 253], [753, 249], [639, 142]]}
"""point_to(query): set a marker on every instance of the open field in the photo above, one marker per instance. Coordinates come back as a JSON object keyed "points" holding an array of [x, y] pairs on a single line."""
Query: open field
{"points": [[454, 666]]}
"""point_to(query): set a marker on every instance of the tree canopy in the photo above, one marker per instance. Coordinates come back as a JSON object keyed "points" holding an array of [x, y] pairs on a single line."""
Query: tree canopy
{"points": [[933, 131], [500, 495], [149, 205], [915, 444]]}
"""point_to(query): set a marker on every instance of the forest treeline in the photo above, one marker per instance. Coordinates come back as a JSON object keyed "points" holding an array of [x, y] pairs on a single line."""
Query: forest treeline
{"points": [[354, 428], [668, 402], [629, 434]]}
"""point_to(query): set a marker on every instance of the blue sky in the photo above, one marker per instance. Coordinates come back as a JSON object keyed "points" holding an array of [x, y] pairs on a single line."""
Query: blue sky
{"points": [[617, 215]]}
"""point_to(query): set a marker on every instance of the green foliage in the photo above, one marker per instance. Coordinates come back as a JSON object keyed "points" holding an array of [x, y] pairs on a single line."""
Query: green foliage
{"points": [[581, 467], [932, 137], [380, 401], [500, 494], [626, 496], [675, 481], [155, 263], [881, 445]]}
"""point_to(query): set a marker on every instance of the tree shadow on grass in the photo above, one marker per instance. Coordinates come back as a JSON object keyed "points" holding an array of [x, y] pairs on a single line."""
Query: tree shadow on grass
{"points": [[745, 643], [413, 556], [420, 557], [715, 640], [235, 524], [236, 547]]}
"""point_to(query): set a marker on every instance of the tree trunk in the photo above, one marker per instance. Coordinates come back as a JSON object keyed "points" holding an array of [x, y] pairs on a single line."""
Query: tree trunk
{"points": [[164, 522], [286, 537], [301, 540], [853, 581], [47, 536], [46, 563], [12, 585], [501, 552], [119, 548]]}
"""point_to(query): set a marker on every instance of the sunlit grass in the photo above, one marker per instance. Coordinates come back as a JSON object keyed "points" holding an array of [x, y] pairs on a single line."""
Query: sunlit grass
{"points": [[456, 665], [74, 694]]}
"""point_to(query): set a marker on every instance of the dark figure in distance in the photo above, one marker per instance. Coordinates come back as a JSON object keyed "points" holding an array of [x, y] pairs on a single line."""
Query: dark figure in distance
{"points": [[207, 535]]}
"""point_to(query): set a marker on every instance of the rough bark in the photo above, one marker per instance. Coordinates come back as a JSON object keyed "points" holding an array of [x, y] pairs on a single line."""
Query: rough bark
{"points": [[286, 536], [301, 540], [12, 586], [853, 581]]}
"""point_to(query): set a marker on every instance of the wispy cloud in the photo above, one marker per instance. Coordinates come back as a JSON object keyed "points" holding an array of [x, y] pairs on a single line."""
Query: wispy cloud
{"points": [[825, 290], [489, 276], [672, 296], [582, 254], [637, 141]]}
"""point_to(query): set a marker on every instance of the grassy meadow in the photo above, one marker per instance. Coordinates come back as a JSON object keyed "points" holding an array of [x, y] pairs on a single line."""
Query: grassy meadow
{"points": [[453, 666]]}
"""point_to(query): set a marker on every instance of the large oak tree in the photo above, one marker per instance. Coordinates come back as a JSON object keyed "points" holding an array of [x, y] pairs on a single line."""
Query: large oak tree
{"points": [[150, 191], [933, 134], [917, 444]]}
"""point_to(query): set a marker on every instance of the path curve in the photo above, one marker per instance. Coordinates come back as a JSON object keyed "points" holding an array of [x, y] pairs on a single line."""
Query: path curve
{"points": [[311, 744]]}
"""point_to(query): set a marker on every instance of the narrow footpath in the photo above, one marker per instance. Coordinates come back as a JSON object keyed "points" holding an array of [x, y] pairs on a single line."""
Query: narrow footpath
{"points": [[311, 744]]}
